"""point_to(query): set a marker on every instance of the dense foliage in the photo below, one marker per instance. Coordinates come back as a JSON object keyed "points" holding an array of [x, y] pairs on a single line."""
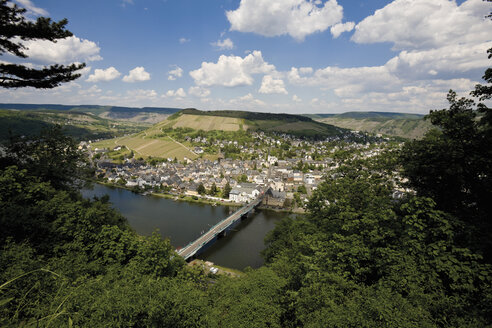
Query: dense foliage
{"points": [[359, 258]]}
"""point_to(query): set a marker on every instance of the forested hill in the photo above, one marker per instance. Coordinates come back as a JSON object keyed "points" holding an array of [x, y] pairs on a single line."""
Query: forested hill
{"points": [[297, 125], [411, 126], [89, 108], [248, 115], [133, 114]]}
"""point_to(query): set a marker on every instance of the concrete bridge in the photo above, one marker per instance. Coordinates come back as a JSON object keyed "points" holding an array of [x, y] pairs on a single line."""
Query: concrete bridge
{"points": [[220, 228]]}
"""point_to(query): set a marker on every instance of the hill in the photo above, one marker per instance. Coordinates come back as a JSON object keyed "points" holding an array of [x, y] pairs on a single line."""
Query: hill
{"points": [[134, 114], [80, 125], [410, 126], [171, 137], [296, 125]]}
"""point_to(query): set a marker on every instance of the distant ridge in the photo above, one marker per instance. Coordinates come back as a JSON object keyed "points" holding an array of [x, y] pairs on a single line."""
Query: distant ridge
{"points": [[405, 125], [88, 108], [370, 115]]}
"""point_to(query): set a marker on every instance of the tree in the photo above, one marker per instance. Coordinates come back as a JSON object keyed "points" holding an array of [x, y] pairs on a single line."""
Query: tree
{"points": [[451, 164], [227, 190], [14, 28], [201, 189], [52, 157], [213, 190]]}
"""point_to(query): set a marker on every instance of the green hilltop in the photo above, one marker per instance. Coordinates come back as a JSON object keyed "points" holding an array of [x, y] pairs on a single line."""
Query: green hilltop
{"points": [[296, 125]]}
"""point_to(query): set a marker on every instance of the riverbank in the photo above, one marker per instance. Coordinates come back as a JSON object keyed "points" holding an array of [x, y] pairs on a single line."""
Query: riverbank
{"points": [[198, 199], [208, 268]]}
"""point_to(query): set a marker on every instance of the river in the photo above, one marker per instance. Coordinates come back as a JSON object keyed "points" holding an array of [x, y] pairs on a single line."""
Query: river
{"points": [[182, 222]]}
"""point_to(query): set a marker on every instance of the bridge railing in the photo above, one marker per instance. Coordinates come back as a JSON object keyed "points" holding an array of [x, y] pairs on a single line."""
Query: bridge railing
{"points": [[242, 209]]}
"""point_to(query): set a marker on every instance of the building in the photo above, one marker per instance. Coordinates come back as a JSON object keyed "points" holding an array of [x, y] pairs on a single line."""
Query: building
{"points": [[244, 193], [274, 198]]}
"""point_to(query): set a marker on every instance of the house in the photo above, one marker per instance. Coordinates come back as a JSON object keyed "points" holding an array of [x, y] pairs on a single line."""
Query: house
{"points": [[192, 190], [274, 198], [277, 184], [244, 193]]}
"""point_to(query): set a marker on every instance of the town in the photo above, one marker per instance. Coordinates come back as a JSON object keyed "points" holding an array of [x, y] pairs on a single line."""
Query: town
{"points": [[291, 167]]}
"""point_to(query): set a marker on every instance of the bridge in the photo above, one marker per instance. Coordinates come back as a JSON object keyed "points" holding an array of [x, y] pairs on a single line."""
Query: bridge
{"points": [[220, 228]]}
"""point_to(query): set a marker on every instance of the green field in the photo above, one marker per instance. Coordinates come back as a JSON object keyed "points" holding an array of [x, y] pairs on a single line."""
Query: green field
{"points": [[201, 122], [143, 146]]}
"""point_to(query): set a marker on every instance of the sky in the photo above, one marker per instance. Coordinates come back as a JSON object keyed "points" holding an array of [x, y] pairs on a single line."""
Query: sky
{"points": [[279, 56]]}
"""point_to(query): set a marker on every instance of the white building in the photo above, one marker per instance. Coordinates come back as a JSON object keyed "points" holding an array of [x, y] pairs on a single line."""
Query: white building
{"points": [[244, 193]]}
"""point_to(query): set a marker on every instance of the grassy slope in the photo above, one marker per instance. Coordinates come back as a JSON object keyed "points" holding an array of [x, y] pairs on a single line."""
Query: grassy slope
{"points": [[208, 123], [297, 125], [149, 143], [144, 146], [81, 126], [410, 126]]}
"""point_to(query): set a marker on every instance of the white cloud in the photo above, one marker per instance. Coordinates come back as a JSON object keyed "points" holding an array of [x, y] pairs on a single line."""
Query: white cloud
{"points": [[180, 93], [296, 99], [107, 74], [270, 85], [226, 44], [141, 94], [297, 18], [339, 28], [138, 74], [248, 102], [336, 78], [32, 8], [424, 24], [175, 73], [231, 71], [199, 92], [184, 40], [64, 51], [450, 61]]}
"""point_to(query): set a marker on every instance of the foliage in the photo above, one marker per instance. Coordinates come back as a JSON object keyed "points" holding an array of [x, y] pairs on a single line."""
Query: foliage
{"points": [[14, 28], [452, 165], [226, 191], [52, 157], [201, 189], [360, 258]]}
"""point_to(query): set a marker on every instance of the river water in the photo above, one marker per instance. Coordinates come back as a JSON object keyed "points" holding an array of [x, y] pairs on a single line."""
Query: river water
{"points": [[183, 222]]}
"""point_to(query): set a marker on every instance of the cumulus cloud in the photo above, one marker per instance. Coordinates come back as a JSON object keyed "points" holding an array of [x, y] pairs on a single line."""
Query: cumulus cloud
{"points": [[175, 73], [231, 71], [141, 94], [64, 51], [270, 85], [339, 28], [423, 24], [199, 92], [296, 99], [184, 40], [247, 102], [180, 93], [297, 18], [31, 8], [450, 61], [107, 74], [138, 74], [225, 44]]}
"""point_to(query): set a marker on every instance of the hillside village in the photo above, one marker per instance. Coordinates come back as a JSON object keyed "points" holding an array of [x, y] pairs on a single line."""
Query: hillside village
{"points": [[292, 178]]}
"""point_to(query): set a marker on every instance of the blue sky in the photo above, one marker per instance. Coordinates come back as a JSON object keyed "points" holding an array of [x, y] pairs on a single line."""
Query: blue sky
{"points": [[294, 56]]}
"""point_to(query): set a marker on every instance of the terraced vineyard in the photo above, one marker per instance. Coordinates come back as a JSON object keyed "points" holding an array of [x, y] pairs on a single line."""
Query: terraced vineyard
{"points": [[145, 146]]}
